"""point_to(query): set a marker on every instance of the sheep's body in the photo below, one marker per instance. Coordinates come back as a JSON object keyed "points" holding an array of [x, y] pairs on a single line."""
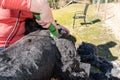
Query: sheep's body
{"points": [[38, 57], [31, 58]]}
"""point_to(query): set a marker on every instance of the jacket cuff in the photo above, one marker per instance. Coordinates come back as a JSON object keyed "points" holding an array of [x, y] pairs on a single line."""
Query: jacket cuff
{"points": [[17, 4]]}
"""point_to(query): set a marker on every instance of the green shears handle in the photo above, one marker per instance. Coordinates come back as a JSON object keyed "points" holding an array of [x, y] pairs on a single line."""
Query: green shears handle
{"points": [[53, 30]]}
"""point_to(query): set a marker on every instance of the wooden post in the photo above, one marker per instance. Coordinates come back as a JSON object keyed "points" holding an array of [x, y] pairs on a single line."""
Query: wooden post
{"points": [[98, 6], [54, 4], [105, 10]]}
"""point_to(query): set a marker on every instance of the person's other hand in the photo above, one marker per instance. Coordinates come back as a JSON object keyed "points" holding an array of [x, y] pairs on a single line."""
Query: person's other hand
{"points": [[62, 29]]}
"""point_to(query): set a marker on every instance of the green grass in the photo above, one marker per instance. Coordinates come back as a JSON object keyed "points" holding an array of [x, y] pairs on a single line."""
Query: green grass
{"points": [[96, 33]]}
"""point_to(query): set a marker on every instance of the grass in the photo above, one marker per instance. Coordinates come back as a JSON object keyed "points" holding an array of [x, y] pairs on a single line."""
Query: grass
{"points": [[96, 33]]}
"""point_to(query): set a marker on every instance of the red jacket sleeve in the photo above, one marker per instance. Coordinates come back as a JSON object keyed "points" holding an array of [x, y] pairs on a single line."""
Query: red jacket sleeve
{"points": [[16, 4]]}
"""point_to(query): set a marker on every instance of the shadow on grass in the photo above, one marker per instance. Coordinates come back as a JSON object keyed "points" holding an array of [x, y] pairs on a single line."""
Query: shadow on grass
{"points": [[91, 22], [103, 50]]}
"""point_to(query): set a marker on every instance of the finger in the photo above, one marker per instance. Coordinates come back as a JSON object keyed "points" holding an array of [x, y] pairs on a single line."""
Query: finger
{"points": [[42, 23], [46, 26], [39, 21]]}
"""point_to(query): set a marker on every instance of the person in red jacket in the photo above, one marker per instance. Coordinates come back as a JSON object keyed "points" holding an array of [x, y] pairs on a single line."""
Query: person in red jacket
{"points": [[9, 11]]}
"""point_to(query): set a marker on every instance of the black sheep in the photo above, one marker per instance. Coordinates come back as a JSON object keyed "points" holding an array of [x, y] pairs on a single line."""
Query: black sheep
{"points": [[31, 58], [37, 56]]}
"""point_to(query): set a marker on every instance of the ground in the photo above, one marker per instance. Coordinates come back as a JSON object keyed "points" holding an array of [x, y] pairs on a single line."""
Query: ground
{"points": [[113, 18], [97, 33]]}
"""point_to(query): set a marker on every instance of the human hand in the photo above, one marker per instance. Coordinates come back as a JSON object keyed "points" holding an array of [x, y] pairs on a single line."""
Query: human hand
{"points": [[63, 30], [44, 21], [42, 7], [46, 17]]}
